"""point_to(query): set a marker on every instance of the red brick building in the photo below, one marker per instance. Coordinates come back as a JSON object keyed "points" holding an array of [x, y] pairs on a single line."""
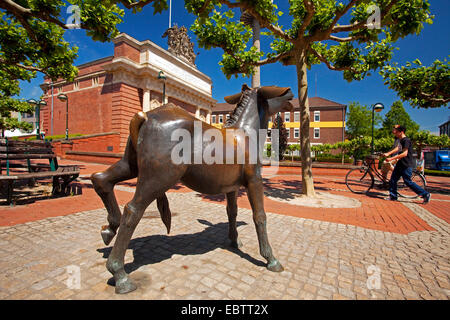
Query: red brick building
{"points": [[327, 120], [108, 92]]}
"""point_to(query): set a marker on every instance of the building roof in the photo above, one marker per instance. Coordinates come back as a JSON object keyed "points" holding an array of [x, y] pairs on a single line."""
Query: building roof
{"points": [[314, 103], [223, 107], [441, 125], [318, 102]]}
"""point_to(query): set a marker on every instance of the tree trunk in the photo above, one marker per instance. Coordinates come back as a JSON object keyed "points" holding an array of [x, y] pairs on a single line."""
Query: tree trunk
{"points": [[307, 179], [256, 78]]}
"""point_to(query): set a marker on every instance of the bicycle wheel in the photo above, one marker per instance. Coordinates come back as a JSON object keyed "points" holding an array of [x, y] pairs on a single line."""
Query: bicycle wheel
{"points": [[405, 192], [359, 180]]}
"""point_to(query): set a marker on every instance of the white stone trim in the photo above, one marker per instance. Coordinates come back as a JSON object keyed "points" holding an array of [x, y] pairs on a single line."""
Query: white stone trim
{"points": [[146, 106], [154, 104], [127, 71], [145, 76], [147, 45]]}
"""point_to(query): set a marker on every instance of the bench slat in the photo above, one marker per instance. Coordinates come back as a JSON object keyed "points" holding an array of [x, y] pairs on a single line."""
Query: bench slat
{"points": [[42, 174], [16, 143], [27, 156], [4, 149]]}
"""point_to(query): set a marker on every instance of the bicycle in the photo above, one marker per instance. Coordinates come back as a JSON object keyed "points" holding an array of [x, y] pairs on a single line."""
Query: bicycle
{"points": [[361, 180]]}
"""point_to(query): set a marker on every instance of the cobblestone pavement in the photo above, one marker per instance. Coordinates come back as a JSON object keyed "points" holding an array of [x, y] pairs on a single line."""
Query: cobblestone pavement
{"points": [[322, 259]]}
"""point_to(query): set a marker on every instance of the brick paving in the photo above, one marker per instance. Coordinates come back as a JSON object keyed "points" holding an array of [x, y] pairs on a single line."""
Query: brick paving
{"points": [[327, 253]]}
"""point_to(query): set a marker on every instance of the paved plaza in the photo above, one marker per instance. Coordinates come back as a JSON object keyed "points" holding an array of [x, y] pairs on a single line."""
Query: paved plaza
{"points": [[378, 250]]}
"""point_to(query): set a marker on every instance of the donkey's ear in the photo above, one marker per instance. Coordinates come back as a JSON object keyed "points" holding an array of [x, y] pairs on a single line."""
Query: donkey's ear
{"points": [[273, 91], [235, 97]]}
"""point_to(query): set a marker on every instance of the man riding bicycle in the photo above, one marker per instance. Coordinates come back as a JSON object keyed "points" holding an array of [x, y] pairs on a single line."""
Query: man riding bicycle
{"points": [[404, 166]]}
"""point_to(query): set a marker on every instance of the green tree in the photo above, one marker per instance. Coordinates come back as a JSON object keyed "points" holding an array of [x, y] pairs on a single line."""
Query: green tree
{"points": [[282, 135], [315, 36], [293, 148], [9, 87], [424, 138], [359, 120], [422, 87], [397, 115]]}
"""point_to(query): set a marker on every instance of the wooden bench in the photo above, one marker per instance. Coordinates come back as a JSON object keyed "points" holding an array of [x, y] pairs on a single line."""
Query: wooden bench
{"points": [[31, 150]]}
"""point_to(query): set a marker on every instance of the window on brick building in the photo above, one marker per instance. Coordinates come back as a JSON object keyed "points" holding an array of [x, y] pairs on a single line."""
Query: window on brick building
{"points": [[287, 117], [296, 116], [213, 119], [296, 133], [76, 85], [316, 133], [227, 116], [316, 116], [95, 81], [288, 131], [220, 118]]}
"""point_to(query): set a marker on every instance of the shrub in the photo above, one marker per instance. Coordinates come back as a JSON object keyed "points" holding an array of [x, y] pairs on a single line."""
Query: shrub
{"points": [[56, 137], [437, 173]]}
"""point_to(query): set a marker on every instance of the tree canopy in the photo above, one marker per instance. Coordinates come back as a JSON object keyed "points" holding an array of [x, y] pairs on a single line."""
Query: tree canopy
{"points": [[355, 48], [422, 87], [397, 115], [359, 120]]}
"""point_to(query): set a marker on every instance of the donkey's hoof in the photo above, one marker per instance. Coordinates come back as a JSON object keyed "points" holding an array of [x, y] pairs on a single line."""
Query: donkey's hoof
{"points": [[275, 266], [236, 244], [125, 286], [107, 235]]}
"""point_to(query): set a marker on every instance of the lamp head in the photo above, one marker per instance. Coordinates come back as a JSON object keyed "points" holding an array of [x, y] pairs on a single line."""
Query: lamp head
{"points": [[32, 101], [378, 107], [161, 75], [62, 97], [42, 103]]}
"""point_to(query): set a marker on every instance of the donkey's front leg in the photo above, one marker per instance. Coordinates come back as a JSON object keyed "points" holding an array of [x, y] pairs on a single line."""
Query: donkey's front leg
{"points": [[104, 183], [255, 195], [232, 213]]}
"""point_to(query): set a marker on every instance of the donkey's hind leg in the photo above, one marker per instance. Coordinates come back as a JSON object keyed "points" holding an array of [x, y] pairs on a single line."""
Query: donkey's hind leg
{"points": [[149, 188]]}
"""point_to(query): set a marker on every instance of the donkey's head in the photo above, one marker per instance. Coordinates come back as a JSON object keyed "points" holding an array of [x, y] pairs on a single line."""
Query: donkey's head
{"points": [[268, 101]]}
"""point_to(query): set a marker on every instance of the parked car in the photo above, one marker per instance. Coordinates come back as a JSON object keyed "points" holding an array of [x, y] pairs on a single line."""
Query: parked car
{"points": [[437, 160]]}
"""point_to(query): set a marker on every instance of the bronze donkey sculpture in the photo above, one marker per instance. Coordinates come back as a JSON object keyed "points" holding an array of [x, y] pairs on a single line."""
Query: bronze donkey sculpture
{"points": [[148, 157]]}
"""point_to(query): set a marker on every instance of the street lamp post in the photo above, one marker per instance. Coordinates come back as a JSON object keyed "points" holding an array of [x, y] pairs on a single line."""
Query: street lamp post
{"points": [[62, 97], [376, 107], [37, 105], [162, 76]]}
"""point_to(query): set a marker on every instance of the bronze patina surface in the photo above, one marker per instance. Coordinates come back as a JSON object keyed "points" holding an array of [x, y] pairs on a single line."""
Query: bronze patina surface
{"points": [[148, 157]]}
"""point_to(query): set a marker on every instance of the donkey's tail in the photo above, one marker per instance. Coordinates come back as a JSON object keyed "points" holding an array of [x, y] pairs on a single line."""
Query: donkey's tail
{"points": [[162, 201], [135, 124]]}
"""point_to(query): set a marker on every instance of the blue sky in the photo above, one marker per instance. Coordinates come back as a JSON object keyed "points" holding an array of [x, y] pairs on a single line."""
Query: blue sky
{"points": [[433, 43]]}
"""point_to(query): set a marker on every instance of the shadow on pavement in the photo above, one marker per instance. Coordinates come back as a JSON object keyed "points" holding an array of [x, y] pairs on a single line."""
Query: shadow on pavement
{"points": [[156, 248]]}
